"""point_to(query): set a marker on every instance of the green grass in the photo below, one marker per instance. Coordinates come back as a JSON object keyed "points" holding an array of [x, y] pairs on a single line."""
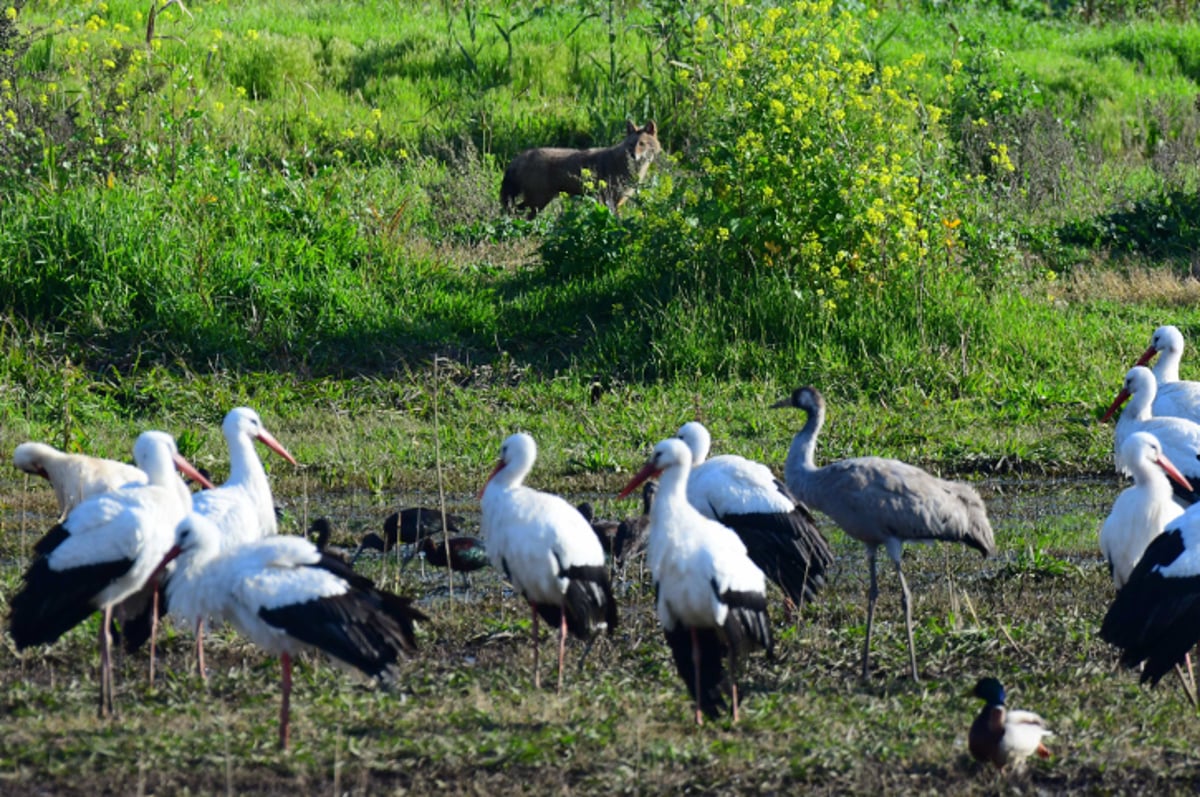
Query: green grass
{"points": [[293, 250], [464, 712]]}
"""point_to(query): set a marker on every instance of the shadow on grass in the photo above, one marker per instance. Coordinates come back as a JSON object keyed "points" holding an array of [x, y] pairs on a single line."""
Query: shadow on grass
{"points": [[1163, 227]]}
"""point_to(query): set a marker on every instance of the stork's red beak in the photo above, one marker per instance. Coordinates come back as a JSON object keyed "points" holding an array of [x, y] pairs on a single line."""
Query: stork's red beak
{"points": [[187, 469], [1147, 356], [499, 467], [268, 439], [648, 471], [1173, 472], [1116, 405]]}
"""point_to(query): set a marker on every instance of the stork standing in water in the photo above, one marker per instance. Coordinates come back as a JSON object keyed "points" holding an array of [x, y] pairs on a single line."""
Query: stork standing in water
{"points": [[882, 502], [777, 530], [74, 477], [547, 551], [242, 508], [1180, 399], [1179, 437], [1142, 511], [106, 549], [711, 598], [286, 596]]}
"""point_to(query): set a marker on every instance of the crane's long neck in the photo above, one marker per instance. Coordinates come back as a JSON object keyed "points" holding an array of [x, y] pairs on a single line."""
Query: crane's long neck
{"points": [[801, 458]]}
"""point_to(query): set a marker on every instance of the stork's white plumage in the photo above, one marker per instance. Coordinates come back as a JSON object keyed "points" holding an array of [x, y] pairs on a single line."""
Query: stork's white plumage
{"points": [[286, 596], [1175, 397], [711, 598], [106, 549], [777, 530], [1179, 437], [74, 477], [1141, 511], [547, 550], [242, 507], [1154, 617]]}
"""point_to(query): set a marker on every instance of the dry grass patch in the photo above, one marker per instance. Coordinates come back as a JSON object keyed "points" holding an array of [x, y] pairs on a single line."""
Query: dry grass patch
{"points": [[1139, 285]]}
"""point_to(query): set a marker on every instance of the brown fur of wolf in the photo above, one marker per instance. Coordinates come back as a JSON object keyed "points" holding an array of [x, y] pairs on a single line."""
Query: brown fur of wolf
{"points": [[538, 175]]}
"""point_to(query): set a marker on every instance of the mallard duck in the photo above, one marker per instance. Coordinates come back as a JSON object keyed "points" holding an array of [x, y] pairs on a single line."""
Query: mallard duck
{"points": [[1002, 736]]}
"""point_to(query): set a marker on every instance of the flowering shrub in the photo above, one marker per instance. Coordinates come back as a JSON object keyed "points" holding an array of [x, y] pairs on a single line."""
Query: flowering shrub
{"points": [[820, 158]]}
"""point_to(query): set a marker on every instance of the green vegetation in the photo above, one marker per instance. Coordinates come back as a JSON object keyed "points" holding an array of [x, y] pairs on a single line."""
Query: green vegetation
{"points": [[960, 220]]}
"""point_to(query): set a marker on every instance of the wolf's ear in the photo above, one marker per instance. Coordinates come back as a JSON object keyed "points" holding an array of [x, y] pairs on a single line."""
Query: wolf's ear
{"points": [[650, 128], [630, 127]]}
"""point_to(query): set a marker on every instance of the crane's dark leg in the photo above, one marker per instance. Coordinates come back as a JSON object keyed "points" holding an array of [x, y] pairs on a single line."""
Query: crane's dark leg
{"points": [[587, 648], [537, 680], [906, 602], [872, 594]]}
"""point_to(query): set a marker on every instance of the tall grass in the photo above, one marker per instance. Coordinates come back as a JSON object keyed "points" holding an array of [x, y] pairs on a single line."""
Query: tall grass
{"points": [[311, 189]]}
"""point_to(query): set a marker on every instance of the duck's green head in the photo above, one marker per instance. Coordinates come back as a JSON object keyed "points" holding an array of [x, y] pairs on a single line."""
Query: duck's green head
{"points": [[991, 690]]}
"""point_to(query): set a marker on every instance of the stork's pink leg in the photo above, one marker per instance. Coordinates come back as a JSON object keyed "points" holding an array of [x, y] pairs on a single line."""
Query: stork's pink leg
{"points": [[696, 671], [153, 627], [537, 681], [284, 708], [200, 650], [106, 701], [562, 645], [733, 683]]}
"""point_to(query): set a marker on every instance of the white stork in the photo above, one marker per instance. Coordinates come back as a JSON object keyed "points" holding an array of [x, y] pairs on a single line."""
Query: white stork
{"points": [[1141, 511], [286, 596], [106, 549], [547, 551], [1176, 398], [74, 477], [1155, 618], [1179, 437], [882, 502], [242, 508], [711, 598], [777, 530]]}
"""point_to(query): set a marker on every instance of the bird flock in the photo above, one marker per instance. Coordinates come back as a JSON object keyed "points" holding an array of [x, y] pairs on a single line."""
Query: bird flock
{"points": [[135, 542]]}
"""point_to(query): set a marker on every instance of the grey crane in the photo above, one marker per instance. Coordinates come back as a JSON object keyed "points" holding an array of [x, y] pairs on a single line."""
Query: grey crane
{"points": [[882, 502]]}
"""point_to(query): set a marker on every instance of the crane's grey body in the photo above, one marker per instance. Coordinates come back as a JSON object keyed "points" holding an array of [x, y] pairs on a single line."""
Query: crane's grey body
{"points": [[882, 502]]}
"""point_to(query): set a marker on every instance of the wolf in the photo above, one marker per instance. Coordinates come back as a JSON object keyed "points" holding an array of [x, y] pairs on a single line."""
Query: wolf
{"points": [[538, 175]]}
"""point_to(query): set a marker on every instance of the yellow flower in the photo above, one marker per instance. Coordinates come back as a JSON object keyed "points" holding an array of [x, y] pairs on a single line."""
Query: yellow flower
{"points": [[376, 114], [10, 13]]}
